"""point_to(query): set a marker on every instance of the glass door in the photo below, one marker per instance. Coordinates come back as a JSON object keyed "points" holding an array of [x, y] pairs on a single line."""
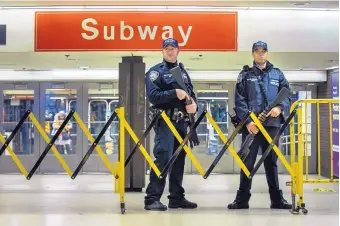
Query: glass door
{"points": [[217, 99], [15, 100], [101, 100], [302, 91], [57, 99]]}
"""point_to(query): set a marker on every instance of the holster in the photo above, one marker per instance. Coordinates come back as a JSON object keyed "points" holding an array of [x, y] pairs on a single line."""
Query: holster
{"points": [[235, 120], [177, 115]]}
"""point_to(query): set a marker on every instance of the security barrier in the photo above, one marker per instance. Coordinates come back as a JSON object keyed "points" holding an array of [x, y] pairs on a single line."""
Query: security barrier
{"points": [[297, 183], [227, 145], [50, 144], [119, 166], [183, 145], [147, 131], [139, 145], [292, 169], [295, 169], [117, 170]]}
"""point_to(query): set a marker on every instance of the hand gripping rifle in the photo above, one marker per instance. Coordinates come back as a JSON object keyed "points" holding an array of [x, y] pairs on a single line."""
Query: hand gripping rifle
{"points": [[244, 150], [177, 74]]}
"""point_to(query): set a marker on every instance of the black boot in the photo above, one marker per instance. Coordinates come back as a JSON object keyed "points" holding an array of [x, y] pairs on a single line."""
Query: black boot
{"points": [[241, 201], [156, 206], [183, 204], [278, 202]]}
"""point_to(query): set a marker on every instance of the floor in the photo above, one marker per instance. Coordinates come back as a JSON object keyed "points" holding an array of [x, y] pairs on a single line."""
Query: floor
{"points": [[55, 200]]}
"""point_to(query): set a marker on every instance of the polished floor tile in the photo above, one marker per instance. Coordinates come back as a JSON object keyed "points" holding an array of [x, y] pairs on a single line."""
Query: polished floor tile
{"points": [[55, 200]]}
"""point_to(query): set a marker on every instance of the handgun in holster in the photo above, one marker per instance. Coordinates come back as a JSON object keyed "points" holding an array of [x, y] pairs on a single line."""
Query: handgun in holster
{"points": [[235, 120]]}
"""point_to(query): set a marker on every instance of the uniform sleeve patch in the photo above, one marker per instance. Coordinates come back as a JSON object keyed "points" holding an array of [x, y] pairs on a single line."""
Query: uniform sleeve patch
{"points": [[239, 78], [153, 75]]}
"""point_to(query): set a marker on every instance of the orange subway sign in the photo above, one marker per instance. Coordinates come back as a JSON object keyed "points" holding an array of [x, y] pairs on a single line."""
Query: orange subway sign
{"points": [[134, 31]]}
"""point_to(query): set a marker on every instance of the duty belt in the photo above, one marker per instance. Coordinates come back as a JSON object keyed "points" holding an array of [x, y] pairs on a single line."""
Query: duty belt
{"points": [[177, 115]]}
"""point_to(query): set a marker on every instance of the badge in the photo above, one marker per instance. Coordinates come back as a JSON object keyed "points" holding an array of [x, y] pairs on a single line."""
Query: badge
{"points": [[153, 75], [252, 79]]}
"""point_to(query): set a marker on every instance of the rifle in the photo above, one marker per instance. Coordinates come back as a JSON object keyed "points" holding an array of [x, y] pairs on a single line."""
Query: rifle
{"points": [[177, 74], [244, 150]]}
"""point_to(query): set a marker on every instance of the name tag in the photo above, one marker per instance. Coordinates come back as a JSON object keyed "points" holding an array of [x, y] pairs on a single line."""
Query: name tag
{"points": [[274, 82], [168, 75]]}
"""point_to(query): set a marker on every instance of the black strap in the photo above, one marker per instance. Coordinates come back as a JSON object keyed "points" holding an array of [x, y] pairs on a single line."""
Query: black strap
{"points": [[263, 92], [181, 65]]}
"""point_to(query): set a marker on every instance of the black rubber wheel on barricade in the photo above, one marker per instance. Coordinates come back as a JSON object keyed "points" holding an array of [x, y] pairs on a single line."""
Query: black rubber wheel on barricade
{"points": [[295, 211], [122, 208]]}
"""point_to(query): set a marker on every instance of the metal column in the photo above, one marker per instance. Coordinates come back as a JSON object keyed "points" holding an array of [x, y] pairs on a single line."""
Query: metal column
{"points": [[132, 91]]}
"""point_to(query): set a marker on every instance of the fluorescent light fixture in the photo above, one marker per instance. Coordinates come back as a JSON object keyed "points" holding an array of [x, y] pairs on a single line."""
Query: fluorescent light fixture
{"points": [[127, 7], [42, 7], [111, 75], [332, 68], [108, 97], [83, 67], [299, 3]]}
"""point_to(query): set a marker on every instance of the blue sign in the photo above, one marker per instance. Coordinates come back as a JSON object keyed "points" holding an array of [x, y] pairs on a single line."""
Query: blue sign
{"points": [[2, 34], [335, 122]]}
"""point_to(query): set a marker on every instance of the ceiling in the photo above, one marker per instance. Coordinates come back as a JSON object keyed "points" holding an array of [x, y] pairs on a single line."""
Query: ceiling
{"points": [[334, 4], [192, 60]]}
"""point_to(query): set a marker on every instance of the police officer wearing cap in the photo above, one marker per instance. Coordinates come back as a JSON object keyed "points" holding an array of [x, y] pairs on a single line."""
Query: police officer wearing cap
{"points": [[255, 88], [164, 93]]}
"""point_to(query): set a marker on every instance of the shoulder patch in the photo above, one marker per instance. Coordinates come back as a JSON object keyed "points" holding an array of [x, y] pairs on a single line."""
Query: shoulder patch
{"points": [[240, 77], [153, 75]]}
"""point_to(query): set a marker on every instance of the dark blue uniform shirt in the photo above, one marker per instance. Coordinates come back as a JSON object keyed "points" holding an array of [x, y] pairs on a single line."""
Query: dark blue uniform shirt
{"points": [[248, 95], [160, 86]]}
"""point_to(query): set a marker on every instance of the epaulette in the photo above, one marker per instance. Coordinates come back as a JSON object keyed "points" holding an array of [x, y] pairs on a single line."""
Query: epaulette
{"points": [[246, 68], [242, 76]]}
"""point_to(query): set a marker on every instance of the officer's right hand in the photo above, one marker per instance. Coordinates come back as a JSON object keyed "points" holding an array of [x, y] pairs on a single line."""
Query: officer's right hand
{"points": [[262, 117], [192, 107], [252, 128], [181, 94]]}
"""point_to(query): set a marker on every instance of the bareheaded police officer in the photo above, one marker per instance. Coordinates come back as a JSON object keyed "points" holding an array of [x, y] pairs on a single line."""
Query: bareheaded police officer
{"points": [[256, 88], [164, 93]]}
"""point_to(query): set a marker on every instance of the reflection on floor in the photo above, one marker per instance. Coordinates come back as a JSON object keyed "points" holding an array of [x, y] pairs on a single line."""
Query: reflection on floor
{"points": [[59, 201]]}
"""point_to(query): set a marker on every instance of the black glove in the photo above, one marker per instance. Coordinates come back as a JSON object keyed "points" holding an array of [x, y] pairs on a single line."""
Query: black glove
{"points": [[194, 141]]}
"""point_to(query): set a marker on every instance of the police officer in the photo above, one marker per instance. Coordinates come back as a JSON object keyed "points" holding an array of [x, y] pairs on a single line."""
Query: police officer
{"points": [[256, 88], [164, 93]]}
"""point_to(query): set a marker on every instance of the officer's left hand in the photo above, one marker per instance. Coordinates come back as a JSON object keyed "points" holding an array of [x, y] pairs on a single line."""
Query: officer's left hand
{"points": [[192, 107], [276, 111]]}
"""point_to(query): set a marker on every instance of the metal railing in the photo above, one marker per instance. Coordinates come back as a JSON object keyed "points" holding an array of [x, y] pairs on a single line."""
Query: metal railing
{"points": [[298, 164]]}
